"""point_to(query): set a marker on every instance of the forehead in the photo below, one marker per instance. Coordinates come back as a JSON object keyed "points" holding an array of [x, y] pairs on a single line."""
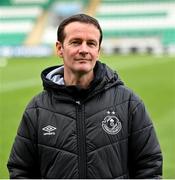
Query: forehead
{"points": [[82, 29]]}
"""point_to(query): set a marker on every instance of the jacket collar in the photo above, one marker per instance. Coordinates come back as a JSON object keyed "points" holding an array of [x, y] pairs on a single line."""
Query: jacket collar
{"points": [[104, 78]]}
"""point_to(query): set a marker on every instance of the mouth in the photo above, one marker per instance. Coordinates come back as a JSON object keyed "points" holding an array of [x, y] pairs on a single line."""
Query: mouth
{"points": [[82, 59]]}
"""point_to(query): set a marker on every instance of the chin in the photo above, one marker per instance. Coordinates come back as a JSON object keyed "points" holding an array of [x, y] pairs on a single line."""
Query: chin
{"points": [[83, 71], [84, 68]]}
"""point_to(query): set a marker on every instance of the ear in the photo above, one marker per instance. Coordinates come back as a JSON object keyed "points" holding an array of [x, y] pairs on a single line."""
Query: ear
{"points": [[59, 49]]}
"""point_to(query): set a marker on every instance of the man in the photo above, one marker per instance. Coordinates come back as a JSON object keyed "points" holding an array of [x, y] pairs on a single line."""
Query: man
{"points": [[86, 123]]}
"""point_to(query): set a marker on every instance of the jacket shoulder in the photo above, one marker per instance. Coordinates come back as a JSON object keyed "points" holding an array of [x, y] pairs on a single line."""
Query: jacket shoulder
{"points": [[37, 100], [125, 94]]}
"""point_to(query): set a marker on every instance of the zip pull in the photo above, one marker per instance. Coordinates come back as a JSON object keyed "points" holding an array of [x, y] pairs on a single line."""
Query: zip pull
{"points": [[78, 102]]}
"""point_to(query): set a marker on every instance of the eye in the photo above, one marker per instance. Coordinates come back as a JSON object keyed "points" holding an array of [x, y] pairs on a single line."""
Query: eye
{"points": [[75, 43], [92, 44]]}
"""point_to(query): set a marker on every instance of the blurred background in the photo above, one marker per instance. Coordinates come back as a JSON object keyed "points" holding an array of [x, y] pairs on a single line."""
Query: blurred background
{"points": [[139, 43], [28, 27]]}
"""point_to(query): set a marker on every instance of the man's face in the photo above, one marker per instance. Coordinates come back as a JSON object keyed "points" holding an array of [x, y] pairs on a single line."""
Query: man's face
{"points": [[80, 49]]}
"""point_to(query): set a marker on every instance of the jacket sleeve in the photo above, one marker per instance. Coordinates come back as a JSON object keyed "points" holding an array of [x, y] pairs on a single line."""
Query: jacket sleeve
{"points": [[23, 160], [144, 149]]}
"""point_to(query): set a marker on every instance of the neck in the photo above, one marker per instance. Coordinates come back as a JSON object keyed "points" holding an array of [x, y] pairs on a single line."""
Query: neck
{"points": [[82, 80]]}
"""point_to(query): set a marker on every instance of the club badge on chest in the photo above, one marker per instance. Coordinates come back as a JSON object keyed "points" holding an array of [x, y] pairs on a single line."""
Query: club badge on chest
{"points": [[111, 124]]}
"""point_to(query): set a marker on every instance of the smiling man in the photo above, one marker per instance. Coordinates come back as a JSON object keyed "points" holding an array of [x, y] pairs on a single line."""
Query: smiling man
{"points": [[80, 51], [85, 124]]}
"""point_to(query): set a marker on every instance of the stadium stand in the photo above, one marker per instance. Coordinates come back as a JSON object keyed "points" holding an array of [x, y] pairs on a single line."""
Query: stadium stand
{"points": [[28, 26], [137, 25], [17, 19], [30, 22]]}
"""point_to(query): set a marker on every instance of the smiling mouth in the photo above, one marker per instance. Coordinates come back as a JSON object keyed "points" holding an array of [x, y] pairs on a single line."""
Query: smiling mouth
{"points": [[82, 59]]}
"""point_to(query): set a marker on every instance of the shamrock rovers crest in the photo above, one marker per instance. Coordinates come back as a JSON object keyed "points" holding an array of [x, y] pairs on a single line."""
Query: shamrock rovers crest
{"points": [[111, 124]]}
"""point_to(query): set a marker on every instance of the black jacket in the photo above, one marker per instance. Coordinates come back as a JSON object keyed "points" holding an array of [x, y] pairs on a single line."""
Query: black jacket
{"points": [[101, 132]]}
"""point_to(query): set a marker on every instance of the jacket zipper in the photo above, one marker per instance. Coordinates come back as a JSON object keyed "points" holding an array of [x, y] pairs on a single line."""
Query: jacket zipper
{"points": [[81, 141]]}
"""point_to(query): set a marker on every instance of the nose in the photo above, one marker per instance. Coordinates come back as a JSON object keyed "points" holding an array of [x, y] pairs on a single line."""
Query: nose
{"points": [[83, 49]]}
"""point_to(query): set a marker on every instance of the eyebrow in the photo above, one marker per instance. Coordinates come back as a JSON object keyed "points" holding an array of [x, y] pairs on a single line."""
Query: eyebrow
{"points": [[79, 39], [75, 39]]}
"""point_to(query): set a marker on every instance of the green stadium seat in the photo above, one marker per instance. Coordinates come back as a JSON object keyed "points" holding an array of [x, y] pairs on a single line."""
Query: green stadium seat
{"points": [[121, 19], [17, 19]]}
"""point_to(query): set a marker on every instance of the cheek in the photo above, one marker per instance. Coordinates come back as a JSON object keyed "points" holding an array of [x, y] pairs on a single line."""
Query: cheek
{"points": [[71, 52], [96, 54]]}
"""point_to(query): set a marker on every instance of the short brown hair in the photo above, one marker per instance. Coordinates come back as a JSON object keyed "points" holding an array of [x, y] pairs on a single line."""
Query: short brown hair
{"points": [[78, 18]]}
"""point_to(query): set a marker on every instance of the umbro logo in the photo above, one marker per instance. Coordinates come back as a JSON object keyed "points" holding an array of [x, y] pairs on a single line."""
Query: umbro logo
{"points": [[49, 130]]}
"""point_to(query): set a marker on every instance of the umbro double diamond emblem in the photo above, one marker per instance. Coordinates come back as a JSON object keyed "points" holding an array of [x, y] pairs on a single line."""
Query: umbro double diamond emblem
{"points": [[49, 130]]}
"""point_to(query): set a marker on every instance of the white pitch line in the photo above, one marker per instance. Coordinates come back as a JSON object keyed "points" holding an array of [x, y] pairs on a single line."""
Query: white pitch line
{"points": [[11, 86], [3, 62]]}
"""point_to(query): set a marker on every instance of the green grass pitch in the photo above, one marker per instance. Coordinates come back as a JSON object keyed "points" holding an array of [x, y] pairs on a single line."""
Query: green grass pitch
{"points": [[152, 78]]}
